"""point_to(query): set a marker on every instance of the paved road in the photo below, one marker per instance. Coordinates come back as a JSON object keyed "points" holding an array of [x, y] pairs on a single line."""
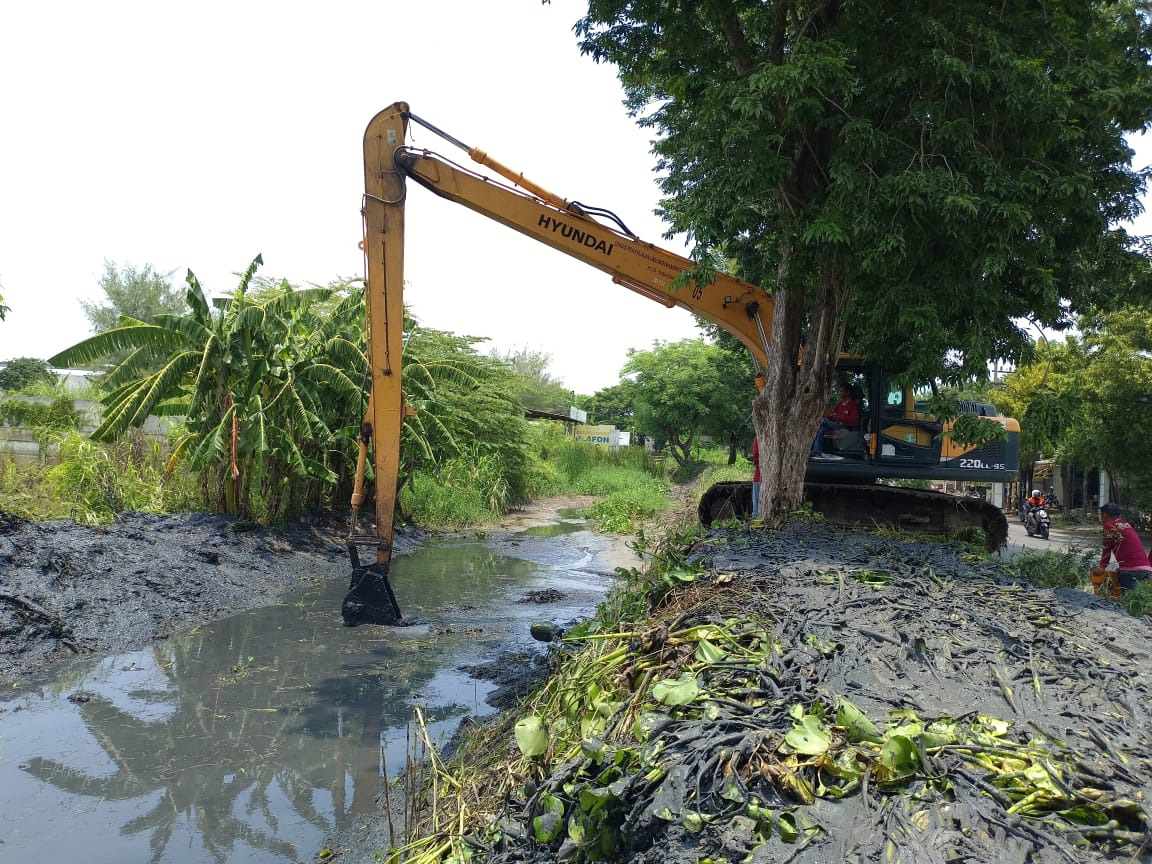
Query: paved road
{"points": [[1077, 537]]}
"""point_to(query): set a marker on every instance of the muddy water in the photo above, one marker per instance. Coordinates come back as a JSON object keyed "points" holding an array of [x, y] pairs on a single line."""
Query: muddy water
{"points": [[255, 738]]}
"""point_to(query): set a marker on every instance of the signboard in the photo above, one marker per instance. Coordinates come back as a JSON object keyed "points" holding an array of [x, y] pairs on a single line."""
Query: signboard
{"points": [[601, 436]]}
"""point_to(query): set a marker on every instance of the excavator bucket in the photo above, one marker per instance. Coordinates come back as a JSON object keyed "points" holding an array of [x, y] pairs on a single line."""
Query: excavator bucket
{"points": [[864, 504], [370, 598]]}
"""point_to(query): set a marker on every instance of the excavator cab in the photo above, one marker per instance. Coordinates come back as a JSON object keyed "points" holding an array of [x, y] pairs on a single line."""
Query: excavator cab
{"points": [[852, 441]]}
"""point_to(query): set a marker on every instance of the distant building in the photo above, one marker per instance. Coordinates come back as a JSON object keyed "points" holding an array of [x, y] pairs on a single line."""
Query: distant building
{"points": [[75, 379]]}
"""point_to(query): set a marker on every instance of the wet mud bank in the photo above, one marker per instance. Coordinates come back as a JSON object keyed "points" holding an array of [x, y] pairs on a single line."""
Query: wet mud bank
{"points": [[69, 590], [819, 694]]}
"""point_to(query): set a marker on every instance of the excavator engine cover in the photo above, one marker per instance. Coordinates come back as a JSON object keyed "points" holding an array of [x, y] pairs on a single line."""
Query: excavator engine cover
{"points": [[865, 504]]}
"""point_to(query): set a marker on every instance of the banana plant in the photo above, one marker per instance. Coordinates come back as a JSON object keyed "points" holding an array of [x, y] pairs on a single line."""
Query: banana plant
{"points": [[246, 373]]}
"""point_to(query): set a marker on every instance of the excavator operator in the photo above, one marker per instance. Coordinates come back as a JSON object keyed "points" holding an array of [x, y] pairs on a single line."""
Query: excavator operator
{"points": [[845, 414]]}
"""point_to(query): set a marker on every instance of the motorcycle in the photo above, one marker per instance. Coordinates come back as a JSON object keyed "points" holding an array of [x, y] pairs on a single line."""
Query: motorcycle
{"points": [[1037, 521]]}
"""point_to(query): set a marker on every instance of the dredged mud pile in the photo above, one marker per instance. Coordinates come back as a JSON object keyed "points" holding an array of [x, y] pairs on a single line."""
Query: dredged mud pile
{"points": [[821, 695], [68, 589]]}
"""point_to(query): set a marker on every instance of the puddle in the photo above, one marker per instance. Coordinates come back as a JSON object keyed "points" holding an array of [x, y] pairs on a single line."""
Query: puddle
{"points": [[556, 530], [256, 737]]}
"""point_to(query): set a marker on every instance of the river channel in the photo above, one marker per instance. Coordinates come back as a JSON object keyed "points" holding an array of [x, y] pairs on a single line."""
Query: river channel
{"points": [[257, 737]]}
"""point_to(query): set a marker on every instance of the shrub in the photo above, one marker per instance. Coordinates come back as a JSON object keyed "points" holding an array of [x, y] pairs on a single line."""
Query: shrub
{"points": [[60, 413], [439, 502], [101, 480], [19, 373], [1067, 569]]}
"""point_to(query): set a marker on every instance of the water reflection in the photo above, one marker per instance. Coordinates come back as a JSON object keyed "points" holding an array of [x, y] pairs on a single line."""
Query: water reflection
{"points": [[254, 738]]}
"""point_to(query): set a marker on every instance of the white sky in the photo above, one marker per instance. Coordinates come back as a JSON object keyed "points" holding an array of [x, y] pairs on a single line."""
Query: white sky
{"points": [[198, 135]]}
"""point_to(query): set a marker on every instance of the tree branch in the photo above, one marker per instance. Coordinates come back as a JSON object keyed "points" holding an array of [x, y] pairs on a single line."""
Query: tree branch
{"points": [[734, 33]]}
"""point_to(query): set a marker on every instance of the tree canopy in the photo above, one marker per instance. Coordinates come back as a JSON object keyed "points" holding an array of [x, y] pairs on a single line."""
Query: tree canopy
{"points": [[270, 381], [680, 391], [926, 174], [22, 371], [532, 384], [134, 292], [1085, 401]]}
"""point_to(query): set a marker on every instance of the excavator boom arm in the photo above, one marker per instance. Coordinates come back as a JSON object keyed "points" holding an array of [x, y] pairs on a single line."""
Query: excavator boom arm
{"points": [[742, 309]]}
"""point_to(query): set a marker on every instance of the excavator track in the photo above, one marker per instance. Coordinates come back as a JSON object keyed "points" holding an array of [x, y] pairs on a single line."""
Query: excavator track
{"points": [[861, 504]]}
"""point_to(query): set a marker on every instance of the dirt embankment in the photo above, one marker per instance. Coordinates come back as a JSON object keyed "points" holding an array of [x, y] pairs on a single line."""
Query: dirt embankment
{"points": [[67, 589], [820, 694]]}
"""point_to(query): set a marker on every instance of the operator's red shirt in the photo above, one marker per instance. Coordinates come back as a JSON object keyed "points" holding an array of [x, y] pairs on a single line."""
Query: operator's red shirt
{"points": [[1120, 537], [846, 412]]}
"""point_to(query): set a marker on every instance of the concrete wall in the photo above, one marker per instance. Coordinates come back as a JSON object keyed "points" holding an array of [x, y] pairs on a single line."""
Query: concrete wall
{"points": [[24, 446]]}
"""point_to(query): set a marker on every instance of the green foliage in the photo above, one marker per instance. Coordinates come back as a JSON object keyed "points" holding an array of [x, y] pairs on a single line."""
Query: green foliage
{"points": [[25, 490], [86, 389], [99, 481], [637, 498], [464, 401], [1138, 601], [472, 488], [612, 406], [272, 380], [921, 177], [1086, 400], [256, 374], [23, 372], [137, 293], [60, 413], [439, 501], [1067, 569], [532, 386], [666, 569], [966, 429], [684, 389]]}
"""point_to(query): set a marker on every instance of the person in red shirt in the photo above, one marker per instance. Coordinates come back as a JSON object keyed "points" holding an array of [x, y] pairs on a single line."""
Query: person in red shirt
{"points": [[756, 477], [1121, 538], [846, 413]]}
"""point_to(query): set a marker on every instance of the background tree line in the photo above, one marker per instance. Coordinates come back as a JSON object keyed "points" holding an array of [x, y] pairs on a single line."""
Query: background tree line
{"points": [[270, 382]]}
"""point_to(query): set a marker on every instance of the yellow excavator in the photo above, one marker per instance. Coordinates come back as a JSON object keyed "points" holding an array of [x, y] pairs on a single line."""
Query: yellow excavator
{"points": [[895, 438]]}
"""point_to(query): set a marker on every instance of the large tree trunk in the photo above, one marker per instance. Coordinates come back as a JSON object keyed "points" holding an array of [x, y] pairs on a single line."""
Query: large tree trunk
{"points": [[788, 411]]}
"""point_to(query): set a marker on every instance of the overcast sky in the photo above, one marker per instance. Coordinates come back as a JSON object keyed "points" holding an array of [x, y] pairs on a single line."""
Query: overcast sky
{"points": [[198, 135]]}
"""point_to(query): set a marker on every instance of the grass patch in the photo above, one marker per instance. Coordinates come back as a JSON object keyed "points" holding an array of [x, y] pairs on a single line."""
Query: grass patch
{"points": [[25, 491], [1067, 569], [442, 502], [619, 512], [1138, 601], [91, 483]]}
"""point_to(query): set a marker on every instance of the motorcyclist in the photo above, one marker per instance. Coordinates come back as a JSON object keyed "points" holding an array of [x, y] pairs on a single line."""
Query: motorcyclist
{"points": [[1032, 503]]}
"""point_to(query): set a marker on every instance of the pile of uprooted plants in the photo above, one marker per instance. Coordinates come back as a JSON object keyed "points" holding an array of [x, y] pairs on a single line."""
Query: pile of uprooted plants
{"points": [[816, 694]]}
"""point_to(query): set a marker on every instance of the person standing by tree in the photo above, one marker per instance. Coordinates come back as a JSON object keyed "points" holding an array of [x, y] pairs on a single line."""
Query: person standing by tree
{"points": [[1121, 538], [756, 477]]}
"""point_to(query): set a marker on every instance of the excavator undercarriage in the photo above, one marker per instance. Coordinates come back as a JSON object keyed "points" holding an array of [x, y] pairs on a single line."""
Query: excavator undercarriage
{"points": [[870, 505]]}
